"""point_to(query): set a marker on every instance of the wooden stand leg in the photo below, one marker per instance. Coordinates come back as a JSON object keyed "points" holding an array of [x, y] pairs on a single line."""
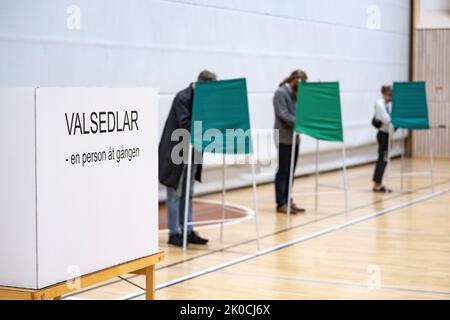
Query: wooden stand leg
{"points": [[150, 283]]}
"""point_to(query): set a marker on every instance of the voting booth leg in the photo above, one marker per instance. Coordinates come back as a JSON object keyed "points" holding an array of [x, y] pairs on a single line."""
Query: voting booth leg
{"points": [[187, 196], [402, 164], [344, 177], [388, 160], [291, 174], [255, 203], [223, 197], [316, 196], [430, 150]]}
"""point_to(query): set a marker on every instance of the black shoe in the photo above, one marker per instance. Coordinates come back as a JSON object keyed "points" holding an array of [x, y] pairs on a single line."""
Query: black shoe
{"points": [[196, 239], [382, 189], [176, 240]]}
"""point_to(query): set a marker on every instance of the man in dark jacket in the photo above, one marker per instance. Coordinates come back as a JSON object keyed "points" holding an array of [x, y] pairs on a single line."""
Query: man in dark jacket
{"points": [[172, 172]]}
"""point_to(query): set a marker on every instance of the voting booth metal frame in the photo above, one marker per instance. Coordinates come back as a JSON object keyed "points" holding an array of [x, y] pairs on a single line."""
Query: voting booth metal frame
{"points": [[223, 220], [318, 100], [402, 161], [316, 192], [407, 93]]}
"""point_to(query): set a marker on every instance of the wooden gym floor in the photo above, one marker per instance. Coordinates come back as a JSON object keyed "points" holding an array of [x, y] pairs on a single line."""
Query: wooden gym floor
{"points": [[394, 246]]}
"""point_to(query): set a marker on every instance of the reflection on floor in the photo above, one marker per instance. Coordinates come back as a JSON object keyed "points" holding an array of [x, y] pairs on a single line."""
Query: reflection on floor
{"points": [[403, 253], [203, 211]]}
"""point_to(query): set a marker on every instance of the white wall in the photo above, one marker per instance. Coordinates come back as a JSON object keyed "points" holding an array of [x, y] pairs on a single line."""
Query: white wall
{"points": [[434, 5], [434, 14], [165, 43]]}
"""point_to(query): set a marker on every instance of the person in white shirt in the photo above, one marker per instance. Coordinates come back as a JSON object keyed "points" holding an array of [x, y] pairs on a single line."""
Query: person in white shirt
{"points": [[382, 115]]}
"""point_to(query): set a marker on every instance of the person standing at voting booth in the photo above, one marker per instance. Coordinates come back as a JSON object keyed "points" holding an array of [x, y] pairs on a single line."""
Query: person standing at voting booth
{"points": [[284, 103], [172, 174], [382, 121]]}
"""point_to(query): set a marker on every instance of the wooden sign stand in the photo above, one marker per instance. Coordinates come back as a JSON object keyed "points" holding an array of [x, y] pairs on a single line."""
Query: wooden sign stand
{"points": [[143, 266]]}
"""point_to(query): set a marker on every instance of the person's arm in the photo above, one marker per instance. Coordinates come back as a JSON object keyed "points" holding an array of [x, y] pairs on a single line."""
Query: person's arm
{"points": [[381, 113], [281, 109], [182, 113]]}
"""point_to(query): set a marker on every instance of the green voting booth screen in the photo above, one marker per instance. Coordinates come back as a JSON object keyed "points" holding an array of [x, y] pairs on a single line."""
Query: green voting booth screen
{"points": [[220, 117], [319, 110], [409, 106]]}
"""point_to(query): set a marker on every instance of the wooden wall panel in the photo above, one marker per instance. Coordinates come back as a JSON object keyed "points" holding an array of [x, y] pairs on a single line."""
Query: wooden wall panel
{"points": [[432, 64]]}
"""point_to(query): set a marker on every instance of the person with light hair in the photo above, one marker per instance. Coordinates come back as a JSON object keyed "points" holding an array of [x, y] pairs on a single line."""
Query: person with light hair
{"points": [[284, 103], [382, 121]]}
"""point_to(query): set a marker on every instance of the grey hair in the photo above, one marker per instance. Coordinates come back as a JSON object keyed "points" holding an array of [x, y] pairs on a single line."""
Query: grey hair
{"points": [[206, 75]]}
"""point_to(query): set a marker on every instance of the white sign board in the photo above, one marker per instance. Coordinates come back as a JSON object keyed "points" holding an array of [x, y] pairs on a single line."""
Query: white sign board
{"points": [[93, 156]]}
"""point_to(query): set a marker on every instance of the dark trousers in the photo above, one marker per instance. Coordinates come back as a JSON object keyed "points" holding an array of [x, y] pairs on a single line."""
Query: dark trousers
{"points": [[282, 176], [383, 143]]}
